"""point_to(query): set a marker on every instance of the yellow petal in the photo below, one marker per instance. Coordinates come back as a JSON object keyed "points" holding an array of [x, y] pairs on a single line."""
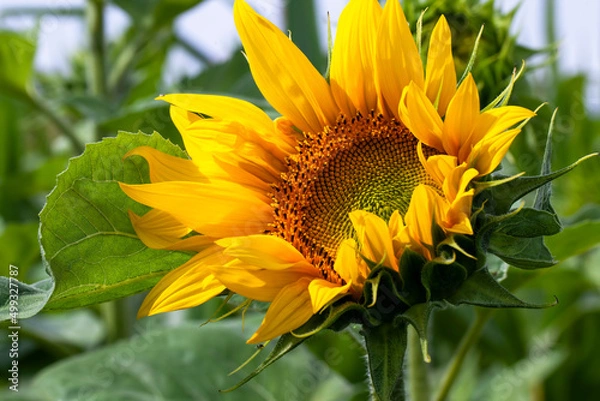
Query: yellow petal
{"points": [[159, 230], [352, 68], [189, 285], [258, 127], [259, 284], [419, 115], [457, 180], [217, 209], [164, 167], [492, 123], [489, 152], [282, 72], [290, 309], [228, 150], [264, 251], [398, 233], [440, 81], [397, 57], [437, 166], [420, 216], [323, 293], [461, 115], [350, 266], [223, 108], [374, 237]]}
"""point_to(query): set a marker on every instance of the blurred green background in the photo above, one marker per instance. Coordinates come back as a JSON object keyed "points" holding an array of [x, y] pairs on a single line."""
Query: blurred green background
{"points": [[102, 352]]}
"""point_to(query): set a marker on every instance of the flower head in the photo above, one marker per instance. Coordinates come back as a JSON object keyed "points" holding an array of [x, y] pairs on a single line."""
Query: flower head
{"points": [[366, 171]]}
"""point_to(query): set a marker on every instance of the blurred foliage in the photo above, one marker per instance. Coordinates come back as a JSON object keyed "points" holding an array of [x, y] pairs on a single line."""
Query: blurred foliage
{"points": [[46, 118]]}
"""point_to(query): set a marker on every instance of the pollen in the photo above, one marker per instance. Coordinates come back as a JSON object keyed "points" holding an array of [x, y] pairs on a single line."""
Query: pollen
{"points": [[361, 163]]}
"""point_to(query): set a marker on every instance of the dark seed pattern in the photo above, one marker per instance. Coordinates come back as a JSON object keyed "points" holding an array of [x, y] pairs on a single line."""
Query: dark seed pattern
{"points": [[365, 162]]}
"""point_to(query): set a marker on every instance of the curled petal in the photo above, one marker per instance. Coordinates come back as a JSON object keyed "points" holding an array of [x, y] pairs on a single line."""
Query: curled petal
{"points": [[350, 266], [290, 309], [323, 293], [374, 237]]}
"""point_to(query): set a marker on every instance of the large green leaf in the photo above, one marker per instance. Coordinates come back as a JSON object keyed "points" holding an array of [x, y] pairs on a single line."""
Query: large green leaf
{"points": [[87, 239], [185, 363]]}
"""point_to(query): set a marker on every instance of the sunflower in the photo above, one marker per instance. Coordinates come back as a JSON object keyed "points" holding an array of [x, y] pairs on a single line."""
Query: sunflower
{"points": [[358, 169]]}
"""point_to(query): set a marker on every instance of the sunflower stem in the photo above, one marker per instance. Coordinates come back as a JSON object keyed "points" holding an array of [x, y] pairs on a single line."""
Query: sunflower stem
{"points": [[469, 339], [418, 380], [97, 55], [65, 126]]}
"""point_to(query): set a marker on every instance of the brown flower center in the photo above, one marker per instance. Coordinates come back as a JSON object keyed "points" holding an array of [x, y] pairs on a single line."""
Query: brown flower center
{"points": [[366, 162]]}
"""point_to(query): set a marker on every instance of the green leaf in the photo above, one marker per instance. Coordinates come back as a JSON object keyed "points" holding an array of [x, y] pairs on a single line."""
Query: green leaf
{"points": [[19, 300], [575, 239], [525, 253], [88, 242], [16, 62], [183, 363], [481, 289], [386, 345]]}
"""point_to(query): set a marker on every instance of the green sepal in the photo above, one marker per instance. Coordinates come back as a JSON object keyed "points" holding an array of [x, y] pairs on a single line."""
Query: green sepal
{"points": [[336, 317], [382, 292], [285, 344], [386, 346], [442, 279], [411, 265], [524, 253], [523, 222], [544, 193], [499, 198], [464, 250], [418, 317], [480, 289]]}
